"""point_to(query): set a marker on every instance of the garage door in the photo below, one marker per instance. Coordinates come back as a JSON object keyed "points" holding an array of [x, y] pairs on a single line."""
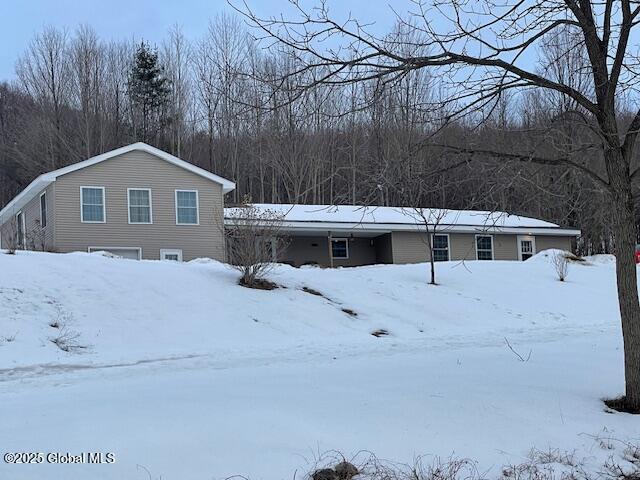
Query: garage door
{"points": [[131, 253]]}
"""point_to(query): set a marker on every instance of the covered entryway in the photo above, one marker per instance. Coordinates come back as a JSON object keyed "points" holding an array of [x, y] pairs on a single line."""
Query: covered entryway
{"points": [[336, 248]]}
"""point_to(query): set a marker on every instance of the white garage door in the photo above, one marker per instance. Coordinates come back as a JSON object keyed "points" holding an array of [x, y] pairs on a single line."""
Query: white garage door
{"points": [[131, 253]]}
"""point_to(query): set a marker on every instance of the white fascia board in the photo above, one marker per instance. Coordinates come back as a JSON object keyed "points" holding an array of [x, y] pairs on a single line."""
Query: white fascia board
{"points": [[227, 185], [397, 227], [24, 197]]}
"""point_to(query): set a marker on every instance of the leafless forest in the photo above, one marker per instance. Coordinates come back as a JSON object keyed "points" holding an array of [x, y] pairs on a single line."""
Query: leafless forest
{"points": [[232, 108]]}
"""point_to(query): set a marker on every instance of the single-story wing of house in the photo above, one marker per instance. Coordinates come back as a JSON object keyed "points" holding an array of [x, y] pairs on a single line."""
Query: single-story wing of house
{"points": [[348, 235], [140, 202]]}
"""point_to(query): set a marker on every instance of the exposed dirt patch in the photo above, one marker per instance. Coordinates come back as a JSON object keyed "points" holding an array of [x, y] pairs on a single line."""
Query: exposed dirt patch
{"points": [[260, 284], [313, 292], [381, 332]]}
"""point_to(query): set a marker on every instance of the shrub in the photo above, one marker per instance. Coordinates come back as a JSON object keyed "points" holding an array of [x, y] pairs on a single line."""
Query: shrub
{"points": [[560, 263]]}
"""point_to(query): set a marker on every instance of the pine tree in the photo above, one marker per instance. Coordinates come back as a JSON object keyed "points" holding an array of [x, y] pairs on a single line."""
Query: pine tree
{"points": [[149, 91]]}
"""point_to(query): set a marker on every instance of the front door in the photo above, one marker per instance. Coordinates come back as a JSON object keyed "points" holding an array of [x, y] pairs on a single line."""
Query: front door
{"points": [[526, 247]]}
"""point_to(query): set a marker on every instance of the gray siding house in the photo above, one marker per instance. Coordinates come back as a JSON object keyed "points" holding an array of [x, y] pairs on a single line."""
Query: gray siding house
{"points": [[136, 201], [347, 235]]}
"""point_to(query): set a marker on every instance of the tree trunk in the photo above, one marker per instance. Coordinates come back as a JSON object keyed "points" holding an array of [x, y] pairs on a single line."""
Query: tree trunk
{"points": [[625, 241]]}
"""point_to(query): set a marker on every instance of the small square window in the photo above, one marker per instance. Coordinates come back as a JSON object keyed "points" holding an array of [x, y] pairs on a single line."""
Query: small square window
{"points": [[174, 255]]}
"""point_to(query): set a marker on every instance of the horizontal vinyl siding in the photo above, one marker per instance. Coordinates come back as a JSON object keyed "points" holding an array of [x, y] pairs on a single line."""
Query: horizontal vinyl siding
{"points": [[140, 170], [505, 247], [544, 242], [411, 247], [38, 238], [5, 230], [462, 246]]}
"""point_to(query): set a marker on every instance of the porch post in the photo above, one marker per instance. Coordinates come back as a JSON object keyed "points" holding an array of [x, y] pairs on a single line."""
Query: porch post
{"points": [[330, 243]]}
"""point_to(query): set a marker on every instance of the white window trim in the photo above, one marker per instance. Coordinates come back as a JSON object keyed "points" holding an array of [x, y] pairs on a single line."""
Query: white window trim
{"points": [[24, 229], [97, 249], [197, 207], [533, 244], [150, 222], [346, 241], [44, 224], [171, 251], [104, 205], [448, 244], [493, 255]]}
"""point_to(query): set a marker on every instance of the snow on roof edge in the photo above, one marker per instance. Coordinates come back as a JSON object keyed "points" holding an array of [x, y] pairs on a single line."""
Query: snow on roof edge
{"points": [[298, 215]]}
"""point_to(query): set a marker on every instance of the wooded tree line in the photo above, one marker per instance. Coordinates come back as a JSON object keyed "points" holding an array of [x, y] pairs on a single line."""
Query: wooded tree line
{"points": [[226, 103]]}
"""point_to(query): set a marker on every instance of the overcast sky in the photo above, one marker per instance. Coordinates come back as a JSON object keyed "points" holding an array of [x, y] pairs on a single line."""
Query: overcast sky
{"points": [[148, 19]]}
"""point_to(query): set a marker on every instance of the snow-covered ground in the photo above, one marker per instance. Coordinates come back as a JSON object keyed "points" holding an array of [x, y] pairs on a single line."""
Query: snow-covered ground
{"points": [[176, 368]]}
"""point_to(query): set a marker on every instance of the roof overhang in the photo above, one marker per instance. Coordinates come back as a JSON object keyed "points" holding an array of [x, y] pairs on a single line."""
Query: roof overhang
{"points": [[382, 228], [46, 179], [24, 197]]}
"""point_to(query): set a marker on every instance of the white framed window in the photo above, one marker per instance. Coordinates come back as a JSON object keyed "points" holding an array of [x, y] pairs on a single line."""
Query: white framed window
{"points": [[440, 246], [187, 211], [340, 248], [526, 247], [131, 253], [140, 205], [187, 207], [92, 205], [484, 247], [43, 209], [21, 230], [173, 254]]}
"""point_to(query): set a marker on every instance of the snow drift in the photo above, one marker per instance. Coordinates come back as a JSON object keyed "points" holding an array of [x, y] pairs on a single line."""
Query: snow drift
{"points": [[110, 310]]}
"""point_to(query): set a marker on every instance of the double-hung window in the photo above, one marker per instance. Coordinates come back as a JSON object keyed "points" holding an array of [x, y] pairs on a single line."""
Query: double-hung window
{"points": [[484, 247], [92, 205], [440, 248], [139, 205], [340, 248], [187, 207]]}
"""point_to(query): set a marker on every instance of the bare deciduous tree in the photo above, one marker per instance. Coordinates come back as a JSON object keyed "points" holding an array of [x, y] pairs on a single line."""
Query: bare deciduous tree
{"points": [[255, 241], [44, 71], [429, 221]]}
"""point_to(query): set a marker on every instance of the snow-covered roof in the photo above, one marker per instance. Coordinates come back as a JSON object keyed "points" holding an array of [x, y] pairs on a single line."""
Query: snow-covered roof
{"points": [[45, 179], [346, 217]]}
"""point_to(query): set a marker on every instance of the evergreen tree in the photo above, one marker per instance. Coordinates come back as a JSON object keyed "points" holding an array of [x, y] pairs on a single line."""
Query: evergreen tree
{"points": [[149, 91]]}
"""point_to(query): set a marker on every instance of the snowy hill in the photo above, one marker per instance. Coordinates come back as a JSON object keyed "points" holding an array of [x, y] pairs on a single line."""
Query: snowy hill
{"points": [[109, 310], [182, 373]]}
